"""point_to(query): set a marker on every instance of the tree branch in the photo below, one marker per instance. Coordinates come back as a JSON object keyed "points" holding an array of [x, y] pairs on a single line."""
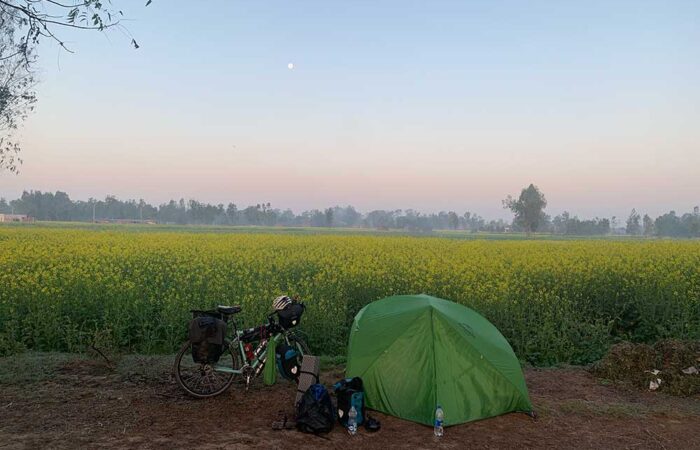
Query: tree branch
{"points": [[44, 18]]}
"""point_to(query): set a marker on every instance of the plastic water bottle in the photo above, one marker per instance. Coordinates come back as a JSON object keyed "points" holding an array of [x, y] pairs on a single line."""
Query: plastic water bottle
{"points": [[439, 419], [352, 420]]}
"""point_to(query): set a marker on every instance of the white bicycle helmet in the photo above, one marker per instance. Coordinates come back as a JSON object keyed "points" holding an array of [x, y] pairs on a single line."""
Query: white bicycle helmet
{"points": [[281, 302]]}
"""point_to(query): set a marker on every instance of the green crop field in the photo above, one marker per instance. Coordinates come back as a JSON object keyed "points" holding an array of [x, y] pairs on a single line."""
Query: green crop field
{"points": [[130, 288]]}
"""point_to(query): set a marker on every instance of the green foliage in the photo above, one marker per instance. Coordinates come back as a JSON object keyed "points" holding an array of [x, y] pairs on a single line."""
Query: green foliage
{"points": [[528, 208], [23, 24], [131, 288], [633, 225]]}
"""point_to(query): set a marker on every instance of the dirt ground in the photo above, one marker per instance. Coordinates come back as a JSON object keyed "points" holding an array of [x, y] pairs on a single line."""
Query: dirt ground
{"points": [[67, 401]]}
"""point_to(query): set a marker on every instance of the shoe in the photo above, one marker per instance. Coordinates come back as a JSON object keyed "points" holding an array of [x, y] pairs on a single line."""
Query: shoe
{"points": [[372, 425], [284, 424]]}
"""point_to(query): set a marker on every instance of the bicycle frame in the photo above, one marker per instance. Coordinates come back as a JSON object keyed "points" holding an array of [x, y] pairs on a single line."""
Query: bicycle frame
{"points": [[258, 362], [202, 378]]}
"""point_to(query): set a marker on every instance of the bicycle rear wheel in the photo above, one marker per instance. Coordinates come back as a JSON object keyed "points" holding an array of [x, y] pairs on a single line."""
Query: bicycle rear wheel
{"points": [[202, 380]]}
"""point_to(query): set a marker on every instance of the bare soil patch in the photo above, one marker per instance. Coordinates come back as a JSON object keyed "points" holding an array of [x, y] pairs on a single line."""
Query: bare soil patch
{"points": [[85, 403]]}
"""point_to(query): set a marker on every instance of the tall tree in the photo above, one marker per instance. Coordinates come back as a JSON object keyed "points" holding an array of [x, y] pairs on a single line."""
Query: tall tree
{"points": [[452, 220], [648, 224], [16, 88], [329, 217], [528, 208], [23, 25], [633, 227]]}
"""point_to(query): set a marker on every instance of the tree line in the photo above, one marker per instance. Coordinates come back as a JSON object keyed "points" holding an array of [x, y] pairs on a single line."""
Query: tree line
{"points": [[528, 210], [58, 206]]}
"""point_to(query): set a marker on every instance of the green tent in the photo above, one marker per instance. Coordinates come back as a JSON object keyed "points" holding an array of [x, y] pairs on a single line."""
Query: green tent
{"points": [[415, 352]]}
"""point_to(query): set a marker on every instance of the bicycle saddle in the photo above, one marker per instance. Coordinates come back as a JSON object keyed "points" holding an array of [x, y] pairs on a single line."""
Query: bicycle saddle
{"points": [[228, 309]]}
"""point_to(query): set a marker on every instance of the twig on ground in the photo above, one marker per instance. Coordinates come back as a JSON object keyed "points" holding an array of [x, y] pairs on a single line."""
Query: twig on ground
{"points": [[111, 364], [655, 437]]}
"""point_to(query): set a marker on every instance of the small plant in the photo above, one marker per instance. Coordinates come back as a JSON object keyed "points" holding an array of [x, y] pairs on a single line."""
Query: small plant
{"points": [[642, 366]]}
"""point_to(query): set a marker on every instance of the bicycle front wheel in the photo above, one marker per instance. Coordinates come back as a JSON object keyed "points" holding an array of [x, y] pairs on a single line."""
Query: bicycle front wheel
{"points": [[203, 380]]}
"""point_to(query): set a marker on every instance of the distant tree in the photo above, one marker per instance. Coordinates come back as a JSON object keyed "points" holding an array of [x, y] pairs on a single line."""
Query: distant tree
{"points": [[559, 223], [453, 220], [648, 224], [350, 216], [287, 218], [232, 213], [314, 218], [528, 208], [696, 218], [380, 219], [672, 225], [573, 226], [252, 215], [633, 224], [495, 226], [669, 224], [692, 222], [329, 217], [472, 221]]}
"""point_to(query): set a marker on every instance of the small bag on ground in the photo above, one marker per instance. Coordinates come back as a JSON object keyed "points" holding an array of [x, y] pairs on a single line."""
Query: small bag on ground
{"points": [[206, 334], [350, 392], [315, 412]]}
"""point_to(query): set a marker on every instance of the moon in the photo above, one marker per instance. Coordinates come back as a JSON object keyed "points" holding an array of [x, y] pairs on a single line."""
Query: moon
{"points": [[290, 66]]}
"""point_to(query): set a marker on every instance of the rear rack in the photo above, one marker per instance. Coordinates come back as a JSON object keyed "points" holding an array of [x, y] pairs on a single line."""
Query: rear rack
{"points": [[201, 313]]}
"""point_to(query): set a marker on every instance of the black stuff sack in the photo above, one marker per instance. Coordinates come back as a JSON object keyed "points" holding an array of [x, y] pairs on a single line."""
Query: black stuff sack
{"points": [[206, 334], [290, 316], [349, 392], [315, 411]]}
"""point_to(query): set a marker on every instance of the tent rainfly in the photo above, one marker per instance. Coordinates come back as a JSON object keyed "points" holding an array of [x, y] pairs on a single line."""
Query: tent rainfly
{"points": [[415, 352]]}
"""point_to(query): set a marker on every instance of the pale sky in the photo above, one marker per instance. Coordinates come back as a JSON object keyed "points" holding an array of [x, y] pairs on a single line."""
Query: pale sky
{"points": [[431, 105]]}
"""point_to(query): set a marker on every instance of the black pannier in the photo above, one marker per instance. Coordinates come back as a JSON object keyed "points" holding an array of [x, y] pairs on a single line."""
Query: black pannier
{"points": [[206, 335], [291, 315], [287, 361]]}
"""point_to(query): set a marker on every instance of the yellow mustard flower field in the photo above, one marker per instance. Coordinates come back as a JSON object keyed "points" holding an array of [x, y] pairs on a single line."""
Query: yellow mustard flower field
{"points": [[63, 289]]}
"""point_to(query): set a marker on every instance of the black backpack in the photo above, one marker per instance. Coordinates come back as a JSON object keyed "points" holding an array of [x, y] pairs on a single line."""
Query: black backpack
{"points": [[349, 392], [315, 411], [207, 337]]}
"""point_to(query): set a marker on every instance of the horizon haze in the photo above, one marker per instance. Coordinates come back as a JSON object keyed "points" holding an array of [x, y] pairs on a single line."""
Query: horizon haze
{"points": [[392, 105]]}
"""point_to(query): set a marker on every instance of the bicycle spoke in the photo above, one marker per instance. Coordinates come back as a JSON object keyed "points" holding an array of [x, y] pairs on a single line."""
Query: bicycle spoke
{"points": [[219, 377], [208, 383]]}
